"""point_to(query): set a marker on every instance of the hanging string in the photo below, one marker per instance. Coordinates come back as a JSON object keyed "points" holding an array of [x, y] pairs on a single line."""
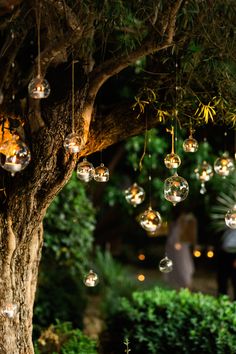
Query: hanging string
{"points": [[172, 132], [225, 138], [73, 95], [175, 137], [150, 170], [38, 24]]}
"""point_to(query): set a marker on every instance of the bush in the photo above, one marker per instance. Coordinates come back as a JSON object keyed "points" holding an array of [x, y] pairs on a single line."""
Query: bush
{"points": [[162, 321], [62, 339]]}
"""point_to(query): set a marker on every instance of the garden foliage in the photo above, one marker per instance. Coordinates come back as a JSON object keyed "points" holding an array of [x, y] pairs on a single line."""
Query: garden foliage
{"points": [[63, 339], [162, 321]]}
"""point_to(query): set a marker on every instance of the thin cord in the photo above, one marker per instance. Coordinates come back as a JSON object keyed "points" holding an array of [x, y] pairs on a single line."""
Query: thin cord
{"points": [[73, 95], [150, 172], [38, 24], [144, 147]]}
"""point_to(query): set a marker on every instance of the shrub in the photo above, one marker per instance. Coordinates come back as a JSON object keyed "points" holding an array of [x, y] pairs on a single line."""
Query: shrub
{"points": [[63, 339], [162, 321]]}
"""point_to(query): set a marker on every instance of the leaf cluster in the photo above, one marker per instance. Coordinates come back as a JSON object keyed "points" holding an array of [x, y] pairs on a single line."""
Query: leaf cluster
{"points": [[164, 321]]}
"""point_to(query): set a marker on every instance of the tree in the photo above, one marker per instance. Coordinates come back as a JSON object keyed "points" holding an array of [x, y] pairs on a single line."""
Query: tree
{"points": [[104, 38]]}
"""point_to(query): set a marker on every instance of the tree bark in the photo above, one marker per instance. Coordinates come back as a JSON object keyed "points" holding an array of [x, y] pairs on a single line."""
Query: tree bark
{"points": [[20, 256]]}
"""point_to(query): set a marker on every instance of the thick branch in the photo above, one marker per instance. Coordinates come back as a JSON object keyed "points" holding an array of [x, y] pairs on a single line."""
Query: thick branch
{"points": [[113, 66], [119, 125]]}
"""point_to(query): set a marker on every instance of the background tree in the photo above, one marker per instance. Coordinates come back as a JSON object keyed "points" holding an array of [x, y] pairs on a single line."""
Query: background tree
{"points": [[104, 37]]}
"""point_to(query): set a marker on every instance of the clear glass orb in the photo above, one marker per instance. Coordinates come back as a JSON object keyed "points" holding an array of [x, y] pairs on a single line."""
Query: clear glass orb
{"points": [[176, 189], [39, 88], [8, 310], [85, 170], [190, 144], [73, 143], [150, 220], [223, 166], [230, 218], [101, 173], [166, 265], [91, 279], [172, 161], [15, 155], [203, 188], [204, 172], [135, 195]]}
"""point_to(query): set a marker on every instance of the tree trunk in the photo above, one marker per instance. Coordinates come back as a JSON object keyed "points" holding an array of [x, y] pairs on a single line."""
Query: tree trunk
{"points": [[20, 256]]}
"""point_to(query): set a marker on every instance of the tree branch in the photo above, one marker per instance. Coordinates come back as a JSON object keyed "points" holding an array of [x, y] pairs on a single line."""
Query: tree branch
{"points": [[113, 66]]}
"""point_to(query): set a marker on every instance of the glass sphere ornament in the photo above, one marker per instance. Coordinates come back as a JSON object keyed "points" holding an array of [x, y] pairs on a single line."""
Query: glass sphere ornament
{"points": [[166, 265], [101, 173], [150, 220], [85, 170], [172, 160], [204, 174], [39, 88], [91, 279], [190, 144], [176, 189], [73, 143], [223, 166], [135, 195], [230, 218], [15, 155], [8, 310]]}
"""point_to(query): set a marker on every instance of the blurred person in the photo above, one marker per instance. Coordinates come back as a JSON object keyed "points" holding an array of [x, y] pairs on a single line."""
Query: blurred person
{"points": [[182, 235], [227, 263]]}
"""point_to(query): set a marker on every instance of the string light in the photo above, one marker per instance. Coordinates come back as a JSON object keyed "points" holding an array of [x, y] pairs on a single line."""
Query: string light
{"points": [[73, 141], [39, 87]]}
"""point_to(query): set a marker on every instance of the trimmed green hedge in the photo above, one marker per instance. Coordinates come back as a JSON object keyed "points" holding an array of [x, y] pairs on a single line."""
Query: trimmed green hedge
{"points": [[162, 321], [63, 339]]}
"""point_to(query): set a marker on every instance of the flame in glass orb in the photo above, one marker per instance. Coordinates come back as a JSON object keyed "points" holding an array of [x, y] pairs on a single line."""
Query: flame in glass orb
{"points": [[190, 144], [204, 173], [85, 170], [73, 143], [176, 189], [101, 173], [224, 165], [15, 155], [150, 220], [39, 88], [8, 310], [91, 279], [172, 160], [166, 265], [135, 195], [230, 218]]}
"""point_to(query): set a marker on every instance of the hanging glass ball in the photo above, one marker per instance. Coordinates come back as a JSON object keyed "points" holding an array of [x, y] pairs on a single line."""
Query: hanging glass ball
{"points": [[204, 172], [85, 170], [166, 265], [73, 143], [135, 195], [150, 220], [172, 160], [176, 189], [190, 144], [39, 88], [223, 166], [91, 279], [8, 310], [15, 155], [203, 188], [101, 173], [230, 218]]}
